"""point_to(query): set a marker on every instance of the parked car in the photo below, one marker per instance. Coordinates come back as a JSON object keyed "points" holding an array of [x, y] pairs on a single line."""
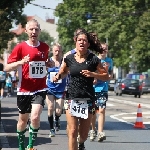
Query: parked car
{"points": [[111, 84], [128, 86], [118, 87], [145, 85]]}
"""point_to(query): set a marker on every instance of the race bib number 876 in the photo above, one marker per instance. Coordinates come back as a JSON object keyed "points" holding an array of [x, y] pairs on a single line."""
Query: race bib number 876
{"points": [[37, 69]]}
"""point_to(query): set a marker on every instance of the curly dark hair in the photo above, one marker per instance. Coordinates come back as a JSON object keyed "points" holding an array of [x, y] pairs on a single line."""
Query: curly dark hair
{"points": [[92, 37]]}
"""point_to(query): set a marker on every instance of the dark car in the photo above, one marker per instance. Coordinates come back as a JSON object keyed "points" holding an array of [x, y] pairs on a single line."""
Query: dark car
{"points": [[129, 86], [145, 85]]}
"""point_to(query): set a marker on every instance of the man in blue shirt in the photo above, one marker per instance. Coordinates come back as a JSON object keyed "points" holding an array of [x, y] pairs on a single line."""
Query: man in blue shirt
{"points": [[101, 92]]}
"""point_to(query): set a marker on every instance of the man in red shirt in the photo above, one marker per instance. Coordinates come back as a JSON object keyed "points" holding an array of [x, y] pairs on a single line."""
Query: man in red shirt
{"points": [[29, 58]]}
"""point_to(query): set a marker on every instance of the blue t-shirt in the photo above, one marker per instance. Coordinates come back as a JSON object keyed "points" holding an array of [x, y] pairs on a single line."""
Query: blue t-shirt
{"points": [[8, 82], [55, 87], [103, 85]]}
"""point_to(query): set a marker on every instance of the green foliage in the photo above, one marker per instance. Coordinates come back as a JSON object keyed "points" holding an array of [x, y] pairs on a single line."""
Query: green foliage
{"points": [[22, 37], [45, 37], [10, 11], [118, 21], [141, 43]]}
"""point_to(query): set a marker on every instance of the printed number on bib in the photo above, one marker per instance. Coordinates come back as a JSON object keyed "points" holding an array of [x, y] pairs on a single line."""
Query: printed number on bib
{"points": [[52, 74], [37, 69], [79, 109]]}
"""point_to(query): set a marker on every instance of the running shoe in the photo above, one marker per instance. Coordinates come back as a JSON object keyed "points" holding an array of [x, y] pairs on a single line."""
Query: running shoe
{"points": [[101, 136], [52, 133], [92, 135], [81, 147]]}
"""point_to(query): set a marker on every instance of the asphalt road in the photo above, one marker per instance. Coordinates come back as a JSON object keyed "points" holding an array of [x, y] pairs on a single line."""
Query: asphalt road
{"points": [[119, 127]]}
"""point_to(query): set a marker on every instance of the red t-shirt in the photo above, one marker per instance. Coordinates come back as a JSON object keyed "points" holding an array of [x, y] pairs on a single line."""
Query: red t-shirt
{"points": [[36, 54]]}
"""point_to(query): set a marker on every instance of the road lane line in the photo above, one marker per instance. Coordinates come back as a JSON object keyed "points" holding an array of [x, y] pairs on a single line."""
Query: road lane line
{"points": [[122, 120], [129, 102]]}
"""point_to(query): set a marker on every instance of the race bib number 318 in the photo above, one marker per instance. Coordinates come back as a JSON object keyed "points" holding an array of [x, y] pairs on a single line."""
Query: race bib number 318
{"points": [[79, 109], [37, 69]]}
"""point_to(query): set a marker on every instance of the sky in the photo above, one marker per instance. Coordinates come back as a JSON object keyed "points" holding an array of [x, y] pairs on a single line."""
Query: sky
{"points": [[31, 10]]}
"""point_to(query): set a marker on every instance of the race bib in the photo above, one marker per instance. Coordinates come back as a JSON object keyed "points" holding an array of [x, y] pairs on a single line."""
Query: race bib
{"points": [[79, 109], [37, 69], [52, 74]]}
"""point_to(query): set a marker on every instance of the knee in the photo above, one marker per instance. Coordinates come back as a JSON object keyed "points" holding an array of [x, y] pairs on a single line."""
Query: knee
{"points": [[50, 110], [102, 110], [58, 112], [34, 119], [72, 132]]}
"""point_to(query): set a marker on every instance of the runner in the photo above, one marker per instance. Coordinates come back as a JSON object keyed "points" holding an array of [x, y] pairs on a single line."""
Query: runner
{"points": [[2, 80], [68, 77], [101, 91], [14, 80], [82, 67], [8, 84], [29, 58], [54, 98]]}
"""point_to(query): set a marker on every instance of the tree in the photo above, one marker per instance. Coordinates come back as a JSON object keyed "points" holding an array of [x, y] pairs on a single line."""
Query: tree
{"points": [[10, 11], [141, 45], [45, 37], [71, 18], [113, 20]]}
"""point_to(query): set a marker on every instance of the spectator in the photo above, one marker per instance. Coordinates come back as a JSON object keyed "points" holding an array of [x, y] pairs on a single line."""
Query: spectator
{"points": [[2, 80], [8, 84]]}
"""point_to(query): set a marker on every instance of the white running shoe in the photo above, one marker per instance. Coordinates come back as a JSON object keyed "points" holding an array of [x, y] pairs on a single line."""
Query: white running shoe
{"points": [[52, 133], [92, 135], [101, 136]]}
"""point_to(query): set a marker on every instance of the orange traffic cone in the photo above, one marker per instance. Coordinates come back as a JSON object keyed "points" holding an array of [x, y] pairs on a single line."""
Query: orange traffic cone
{"points": [[139, 120]]}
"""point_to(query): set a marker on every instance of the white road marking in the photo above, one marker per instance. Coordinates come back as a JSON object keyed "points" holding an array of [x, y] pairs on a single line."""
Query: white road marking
{"points": [[109, 104], [124, 119], [129, 117], [129, 102], [146, 122]]}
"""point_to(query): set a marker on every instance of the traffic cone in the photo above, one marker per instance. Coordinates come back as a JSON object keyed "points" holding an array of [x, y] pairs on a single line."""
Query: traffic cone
{"points": [[139, 120]]}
